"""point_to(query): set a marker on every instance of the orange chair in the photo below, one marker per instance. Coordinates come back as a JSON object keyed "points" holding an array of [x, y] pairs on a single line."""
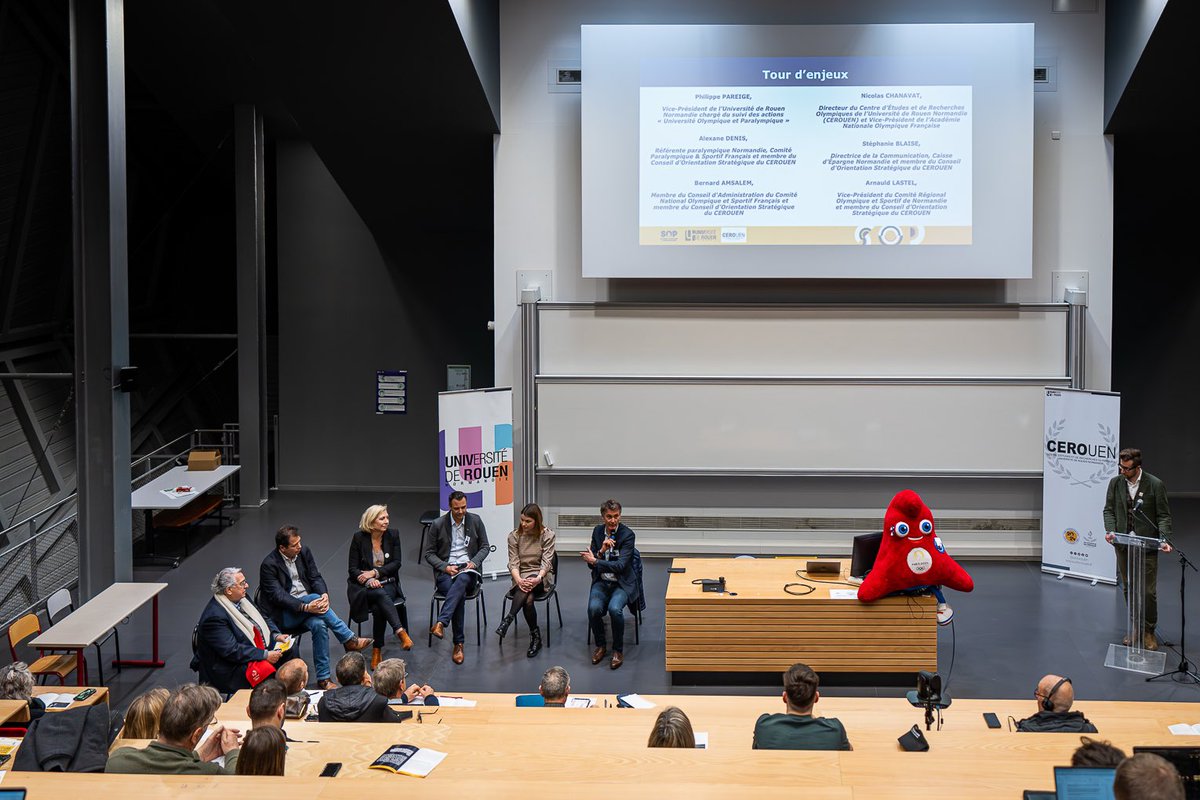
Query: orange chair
{"points": [[61, 665]]}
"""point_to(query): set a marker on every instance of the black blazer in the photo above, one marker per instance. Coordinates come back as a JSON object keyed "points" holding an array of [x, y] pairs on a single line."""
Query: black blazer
{"points": [[438, 549], [275, 581], [361, 560], [223, 651]]}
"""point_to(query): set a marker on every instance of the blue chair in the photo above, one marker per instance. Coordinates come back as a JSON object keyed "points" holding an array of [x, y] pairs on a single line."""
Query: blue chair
{"points": [[530, 701]]}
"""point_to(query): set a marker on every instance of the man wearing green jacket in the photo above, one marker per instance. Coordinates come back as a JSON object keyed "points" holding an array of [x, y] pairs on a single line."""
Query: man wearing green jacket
{"points": [[186, 717], [1136, 502]]}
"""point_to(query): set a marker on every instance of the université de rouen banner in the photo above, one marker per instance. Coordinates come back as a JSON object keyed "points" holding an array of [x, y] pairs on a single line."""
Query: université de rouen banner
{"points": [[1082, 431], [475, 451]]}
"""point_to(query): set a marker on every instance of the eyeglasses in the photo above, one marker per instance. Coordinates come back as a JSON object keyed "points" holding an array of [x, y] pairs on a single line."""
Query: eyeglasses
{"points": [[243, 583], [1124, 468]]}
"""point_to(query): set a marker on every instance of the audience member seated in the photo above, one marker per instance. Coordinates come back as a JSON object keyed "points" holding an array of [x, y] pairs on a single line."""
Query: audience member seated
{"points": [[16, 683], [1095, 753], [531, 564], [389, 681], [294, 594], [263, 752], [355, 700], [373, 585], [185, 719], [555, 687], [1054, 696], [798, 729], [141, 720], [293, 675], [235, 642], [1145, 776], [267, 704], [672, 729]]}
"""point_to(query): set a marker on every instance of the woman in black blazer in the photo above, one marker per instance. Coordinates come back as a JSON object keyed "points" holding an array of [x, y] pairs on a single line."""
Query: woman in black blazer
{"points": [[373, 583]]}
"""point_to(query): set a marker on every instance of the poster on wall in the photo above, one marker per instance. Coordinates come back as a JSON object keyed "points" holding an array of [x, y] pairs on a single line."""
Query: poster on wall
{"points": [[475, 452], [391, 391], [1082, 431]]}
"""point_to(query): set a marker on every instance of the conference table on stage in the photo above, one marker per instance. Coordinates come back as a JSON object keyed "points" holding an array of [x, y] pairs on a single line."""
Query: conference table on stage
{"points": [[757, 625], [497, 749]]}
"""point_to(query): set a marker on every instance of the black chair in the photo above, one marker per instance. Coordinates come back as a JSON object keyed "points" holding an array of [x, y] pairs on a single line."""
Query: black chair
{"points": [[435, 608], [427, 519], [637, 624], [635, 606], [544, 599], [202, 676], [401, 605]]}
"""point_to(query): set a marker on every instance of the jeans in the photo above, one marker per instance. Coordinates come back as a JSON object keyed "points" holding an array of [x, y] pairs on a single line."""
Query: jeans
{"points": [[454, 589], [319, 626], [610, 597]]}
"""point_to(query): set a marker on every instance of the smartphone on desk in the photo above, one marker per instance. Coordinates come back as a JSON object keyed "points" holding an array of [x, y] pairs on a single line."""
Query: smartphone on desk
{"points": [[331, 769], [85, 694], [991, 719]]}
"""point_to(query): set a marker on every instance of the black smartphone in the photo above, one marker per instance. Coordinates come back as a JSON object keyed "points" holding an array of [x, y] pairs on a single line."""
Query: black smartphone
{"points": [[991, 719], [676, 569], [85, 694], [331, 769]]}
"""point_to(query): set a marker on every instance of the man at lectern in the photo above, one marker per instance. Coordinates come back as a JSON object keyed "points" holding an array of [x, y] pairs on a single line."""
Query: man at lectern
{"points": [[1136, 502]]}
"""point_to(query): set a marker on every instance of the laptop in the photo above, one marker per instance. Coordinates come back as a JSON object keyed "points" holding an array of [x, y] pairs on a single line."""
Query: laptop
{"points": [[1084, 783]]}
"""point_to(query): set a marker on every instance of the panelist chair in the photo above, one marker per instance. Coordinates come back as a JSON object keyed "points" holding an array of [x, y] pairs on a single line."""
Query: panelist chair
{"points": [[435, 608], [636, 607], [60, 602], [58, 664], [552, 593], [427, 519]]}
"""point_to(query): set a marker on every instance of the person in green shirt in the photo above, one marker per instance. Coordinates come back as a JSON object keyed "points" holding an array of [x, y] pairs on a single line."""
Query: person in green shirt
{"points": [[185, 719], [798, 729]]}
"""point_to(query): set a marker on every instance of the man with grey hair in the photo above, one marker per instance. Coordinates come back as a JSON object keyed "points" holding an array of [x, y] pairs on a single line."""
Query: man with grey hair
{"points": [[555, 686], [236, 646], [355, 700], [185, 720], [16, 683], [389, 681]]}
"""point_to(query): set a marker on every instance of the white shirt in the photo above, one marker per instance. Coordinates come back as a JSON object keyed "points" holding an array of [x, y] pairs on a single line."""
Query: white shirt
{"points": [[298, 589], [458, 541], [1132, 486]]}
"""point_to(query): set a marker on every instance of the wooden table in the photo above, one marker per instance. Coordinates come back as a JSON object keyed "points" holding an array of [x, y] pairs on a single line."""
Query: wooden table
{"points": [[11, 708], [150, 497], [18, 710], [83, 626], [765, 629]]}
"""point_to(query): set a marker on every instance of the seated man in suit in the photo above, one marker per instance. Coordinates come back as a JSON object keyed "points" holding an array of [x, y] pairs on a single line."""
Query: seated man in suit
{"points": [[1054, 696], [354, 700], [555, 687], [294, 594], [798, 729], [390, 681], [236, 646], [614, 581], [458, 544], [184, 721]]}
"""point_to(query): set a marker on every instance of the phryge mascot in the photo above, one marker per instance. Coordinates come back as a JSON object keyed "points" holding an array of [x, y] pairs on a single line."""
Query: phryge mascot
{"points": [[912, 557]]}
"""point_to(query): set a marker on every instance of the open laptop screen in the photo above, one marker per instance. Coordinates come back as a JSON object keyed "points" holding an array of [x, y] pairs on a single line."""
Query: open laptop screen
{"points": [[1084, 783]]}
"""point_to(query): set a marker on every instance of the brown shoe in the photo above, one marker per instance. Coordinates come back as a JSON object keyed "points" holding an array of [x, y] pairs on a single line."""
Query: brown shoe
{"points": [[438, 630], [326, 685], [1125, 640], [357, 643], [617, 660], [1149, 641], [376, 656], [458, 656], [598, 654], [405, 641]]}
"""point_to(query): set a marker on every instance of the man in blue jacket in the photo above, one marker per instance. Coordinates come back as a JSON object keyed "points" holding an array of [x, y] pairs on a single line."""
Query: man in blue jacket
{"points": [[614, 581]]}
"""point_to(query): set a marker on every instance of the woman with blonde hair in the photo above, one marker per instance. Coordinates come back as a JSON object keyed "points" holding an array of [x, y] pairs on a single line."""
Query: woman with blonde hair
{"points": [[373, 583], [531, 564], [672, 729], [141, 720]]}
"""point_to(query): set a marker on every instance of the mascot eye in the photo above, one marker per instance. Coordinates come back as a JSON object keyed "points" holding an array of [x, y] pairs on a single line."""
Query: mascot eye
{"points": [[902, 529], [926, 526]]}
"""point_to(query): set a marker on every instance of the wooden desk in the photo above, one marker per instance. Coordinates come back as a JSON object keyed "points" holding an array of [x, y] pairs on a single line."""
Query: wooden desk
{"points": [[12, 708], [150, 497], [83, 626], [765, 629]]}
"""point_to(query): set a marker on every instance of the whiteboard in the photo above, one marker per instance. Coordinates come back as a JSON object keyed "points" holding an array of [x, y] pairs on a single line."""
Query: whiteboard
{"points": [[848, 341], [821, 428]]}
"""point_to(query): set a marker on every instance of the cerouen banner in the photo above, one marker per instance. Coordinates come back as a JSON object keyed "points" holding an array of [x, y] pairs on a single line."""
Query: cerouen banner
{"points": [[475, 452], [1082, 431]]}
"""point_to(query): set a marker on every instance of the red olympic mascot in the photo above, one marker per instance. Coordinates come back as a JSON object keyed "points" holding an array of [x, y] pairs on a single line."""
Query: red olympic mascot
{"points": [[912, 557]]}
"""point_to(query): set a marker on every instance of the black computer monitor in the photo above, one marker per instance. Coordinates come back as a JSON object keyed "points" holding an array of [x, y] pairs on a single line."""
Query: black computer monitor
{"points": [[1186, 760], [866, 548]]}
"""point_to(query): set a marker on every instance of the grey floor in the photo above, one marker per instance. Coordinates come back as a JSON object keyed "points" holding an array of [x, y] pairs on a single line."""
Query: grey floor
{"points": [[1017, 625]]}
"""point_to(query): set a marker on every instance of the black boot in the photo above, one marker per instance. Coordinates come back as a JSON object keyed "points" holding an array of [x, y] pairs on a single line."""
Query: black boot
{"points": [[502, 628], [535, 642]]}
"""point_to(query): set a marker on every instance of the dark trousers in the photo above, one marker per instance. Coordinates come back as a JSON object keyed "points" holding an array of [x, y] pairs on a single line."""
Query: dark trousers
{"points": [[382, 602], [610, 598], [1150, 584], [454, 589]]}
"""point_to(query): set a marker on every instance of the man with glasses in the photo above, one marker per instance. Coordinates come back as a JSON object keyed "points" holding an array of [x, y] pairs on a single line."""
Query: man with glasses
{"points": [[1136, 502]]}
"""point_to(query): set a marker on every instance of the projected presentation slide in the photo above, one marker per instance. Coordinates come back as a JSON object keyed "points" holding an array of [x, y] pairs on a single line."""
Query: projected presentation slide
{"points": [[842, 151], [836, 151]]}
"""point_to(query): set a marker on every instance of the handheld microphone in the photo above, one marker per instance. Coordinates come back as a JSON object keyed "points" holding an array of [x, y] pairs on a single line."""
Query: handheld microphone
{"points": [[1138, 505]]}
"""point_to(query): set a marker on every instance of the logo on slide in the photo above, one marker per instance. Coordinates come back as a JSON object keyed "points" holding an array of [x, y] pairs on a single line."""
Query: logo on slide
{"points": [[733, 235]]}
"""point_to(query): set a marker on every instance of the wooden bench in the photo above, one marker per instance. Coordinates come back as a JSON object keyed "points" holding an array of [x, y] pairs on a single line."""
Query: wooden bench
{"points": [[195, 512]]}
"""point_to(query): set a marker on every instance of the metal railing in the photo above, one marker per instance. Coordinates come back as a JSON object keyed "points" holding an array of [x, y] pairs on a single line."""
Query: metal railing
{"points": [[40, 554]]}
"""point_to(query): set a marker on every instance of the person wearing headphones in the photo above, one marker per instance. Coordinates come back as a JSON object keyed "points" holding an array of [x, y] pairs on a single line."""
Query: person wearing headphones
{"points": [[1054, 696]]}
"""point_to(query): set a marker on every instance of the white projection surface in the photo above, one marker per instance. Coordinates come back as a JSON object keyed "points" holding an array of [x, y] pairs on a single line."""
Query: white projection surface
{"points": [[844, 151]]}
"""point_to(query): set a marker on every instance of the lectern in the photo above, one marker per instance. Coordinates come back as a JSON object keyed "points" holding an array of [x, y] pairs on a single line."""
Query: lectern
{"points": [[1133, 657]]}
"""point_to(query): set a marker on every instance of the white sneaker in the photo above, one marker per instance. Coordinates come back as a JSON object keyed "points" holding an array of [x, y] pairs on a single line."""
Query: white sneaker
{"points": [[944, 613]]}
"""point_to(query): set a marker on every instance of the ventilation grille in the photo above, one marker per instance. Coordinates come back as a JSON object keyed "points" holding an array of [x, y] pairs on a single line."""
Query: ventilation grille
{"points": [[826, 523]]}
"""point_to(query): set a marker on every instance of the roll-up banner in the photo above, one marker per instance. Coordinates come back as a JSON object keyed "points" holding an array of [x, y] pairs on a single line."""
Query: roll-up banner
{"points": [[1082, 430], [475, 451]]}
